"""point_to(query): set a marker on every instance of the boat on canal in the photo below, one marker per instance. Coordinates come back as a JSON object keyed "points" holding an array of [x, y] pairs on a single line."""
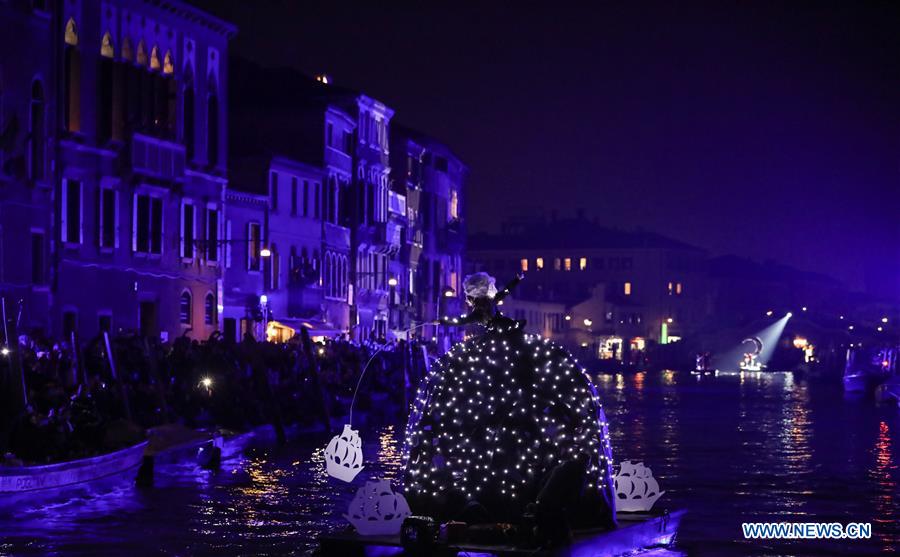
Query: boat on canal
{"points": [[635, 532], [869, 367], [18, 482]]}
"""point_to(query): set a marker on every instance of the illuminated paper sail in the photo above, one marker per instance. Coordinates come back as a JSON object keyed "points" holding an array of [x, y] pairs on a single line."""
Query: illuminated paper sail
{"points": [[343, 455], [636, 489], [377, 510]]}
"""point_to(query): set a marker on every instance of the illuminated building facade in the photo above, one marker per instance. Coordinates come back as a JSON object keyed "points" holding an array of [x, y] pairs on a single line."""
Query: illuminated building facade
{"points": [[618, 289], [432, 179], [114, 155]]}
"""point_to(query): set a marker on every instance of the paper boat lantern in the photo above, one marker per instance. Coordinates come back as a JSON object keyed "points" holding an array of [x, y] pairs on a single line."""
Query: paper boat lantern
{"points": [[343, 455], [377, 510], [636, 490]]}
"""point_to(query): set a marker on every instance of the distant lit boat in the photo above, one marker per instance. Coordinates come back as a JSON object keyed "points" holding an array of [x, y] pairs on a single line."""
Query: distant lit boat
{"points": [[867, 368], [751, 362], [29, 481]]}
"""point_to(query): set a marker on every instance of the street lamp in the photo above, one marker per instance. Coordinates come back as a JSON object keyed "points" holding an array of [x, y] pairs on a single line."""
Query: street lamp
{"points": [[669, 320], [265, 252], [588, 322], [392, 281]]}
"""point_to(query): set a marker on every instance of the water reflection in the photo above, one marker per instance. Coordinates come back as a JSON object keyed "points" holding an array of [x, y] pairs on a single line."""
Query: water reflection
{"points": [[730, 448]]}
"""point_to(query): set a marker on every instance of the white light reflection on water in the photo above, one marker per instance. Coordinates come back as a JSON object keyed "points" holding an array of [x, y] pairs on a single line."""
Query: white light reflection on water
{"points": [[730, 448]]}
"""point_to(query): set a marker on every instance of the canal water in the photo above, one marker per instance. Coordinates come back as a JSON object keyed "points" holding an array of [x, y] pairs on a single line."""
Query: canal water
{"points": [[729, 448]]}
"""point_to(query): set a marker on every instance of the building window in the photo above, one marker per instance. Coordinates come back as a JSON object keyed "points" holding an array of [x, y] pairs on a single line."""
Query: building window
{"points": [[188, 228], [626, 289], [72, 77], [184, 308], [567, 263], [148, 224], [294, 196], [317, 200], [557, 264], [523, 265], [212, 234], [582, 263], [348, 142], [36, 133], [109, 218], [106, 78], [212, 129], [37, 258], [273, 190], [70, 323], [254, 246], [454, 205], [678, 289], [305, 198], [539, 263], [670, 288], [187, 123], [70, 212], [209, 309]]}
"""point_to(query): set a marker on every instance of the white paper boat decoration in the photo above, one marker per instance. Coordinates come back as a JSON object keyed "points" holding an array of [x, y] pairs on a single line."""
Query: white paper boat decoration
{"points": [[377, 510], [636, 490], [343, 455]]}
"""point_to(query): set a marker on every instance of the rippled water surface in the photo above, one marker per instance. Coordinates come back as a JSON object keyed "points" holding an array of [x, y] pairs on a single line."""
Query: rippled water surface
{"points": [[730, 448]]}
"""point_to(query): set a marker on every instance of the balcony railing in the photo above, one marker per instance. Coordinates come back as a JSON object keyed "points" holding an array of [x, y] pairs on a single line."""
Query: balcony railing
{"points": [[397, 204], [156, 157]]}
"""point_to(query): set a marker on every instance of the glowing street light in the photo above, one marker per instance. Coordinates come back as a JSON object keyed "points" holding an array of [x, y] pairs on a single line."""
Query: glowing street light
{"points": [[568, 318], [880, 328], [4, 351], [206, 382], [263, 299], [265, 252], [588, 322], [884, 319], [392, 281], [850, 328], [769, 313], [789, 314], [803, 308], [670, 320]]}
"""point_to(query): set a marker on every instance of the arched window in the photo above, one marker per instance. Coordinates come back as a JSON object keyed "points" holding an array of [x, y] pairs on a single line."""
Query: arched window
{"points": [[36, 133], [184, 308], [212, 127], [141, 54], [188, 114], [72, 77], [209, 309], [344, 277], [107, 80], [154, 59], [127, 53], [168, 63], [106, 46]]}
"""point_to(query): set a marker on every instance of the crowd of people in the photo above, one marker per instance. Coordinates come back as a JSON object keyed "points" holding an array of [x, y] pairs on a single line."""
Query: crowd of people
{"points": [[79, 401]]}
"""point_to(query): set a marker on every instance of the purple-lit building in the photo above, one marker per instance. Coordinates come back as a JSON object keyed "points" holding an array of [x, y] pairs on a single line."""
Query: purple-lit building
{"points": [[432, 180], [115, 156]]}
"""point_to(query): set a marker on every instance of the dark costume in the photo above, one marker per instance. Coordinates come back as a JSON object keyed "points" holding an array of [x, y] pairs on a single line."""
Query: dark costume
{"points": [[506, 422]]}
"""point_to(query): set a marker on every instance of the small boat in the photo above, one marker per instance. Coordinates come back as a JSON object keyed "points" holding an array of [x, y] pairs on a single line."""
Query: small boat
{"points": [[869, 367], [635, 532], [48, 479]]}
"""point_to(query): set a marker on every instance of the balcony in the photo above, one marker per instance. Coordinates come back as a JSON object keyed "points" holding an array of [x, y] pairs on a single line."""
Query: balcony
{"points": [[397, 204], [337, 236], [450, 240], [157, 158], [304, 300]]}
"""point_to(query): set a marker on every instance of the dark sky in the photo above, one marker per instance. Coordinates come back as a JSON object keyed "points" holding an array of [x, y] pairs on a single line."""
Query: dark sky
{"points": [[770, 130]]}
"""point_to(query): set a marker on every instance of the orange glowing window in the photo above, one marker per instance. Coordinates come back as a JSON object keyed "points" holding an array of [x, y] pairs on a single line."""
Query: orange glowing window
{"points": [[678, 289], [567, 262], [671, 288], [523, 264], [539, 263], [582, 263], [627, 289]]}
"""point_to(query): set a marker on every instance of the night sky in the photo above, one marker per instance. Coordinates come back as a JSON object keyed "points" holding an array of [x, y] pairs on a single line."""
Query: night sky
{"points": [[770, 130]]}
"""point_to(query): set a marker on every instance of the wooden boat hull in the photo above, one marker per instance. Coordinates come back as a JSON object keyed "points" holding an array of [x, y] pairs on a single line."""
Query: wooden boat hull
{"points": [[31, 480], [635, 531]]}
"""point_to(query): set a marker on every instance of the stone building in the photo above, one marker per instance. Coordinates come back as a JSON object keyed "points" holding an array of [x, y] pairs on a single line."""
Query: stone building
{"points": [[116, 165], [605, 289]]}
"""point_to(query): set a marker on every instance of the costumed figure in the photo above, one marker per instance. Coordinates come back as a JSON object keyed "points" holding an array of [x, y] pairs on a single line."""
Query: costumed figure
{"points": [[507, 424]]}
